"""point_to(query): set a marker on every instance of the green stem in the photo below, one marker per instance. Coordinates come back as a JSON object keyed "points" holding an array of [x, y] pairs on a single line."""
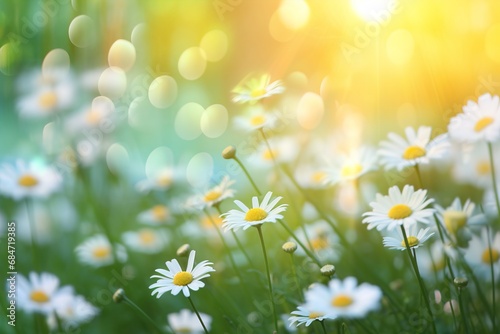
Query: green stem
{"points": [[462, 310], [233, 264], [294, 272], [238, 242], [34, 244], [248, 176], [142, 313], [419, 279], [323, 326], [198, 315], [493, 306], [271, 294], [493, 177], [419, 177]]}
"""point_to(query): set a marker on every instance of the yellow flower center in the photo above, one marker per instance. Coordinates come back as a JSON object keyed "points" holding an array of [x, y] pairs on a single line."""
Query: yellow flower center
{"points": [[212, 195], [186, 330], [93, 117], [208, 222], [255, 214], [490, 256], [27, 180], [159, 212], [39, 296], [269, 154], [258, 92], [164, 180], [101, 252], [257, 120], [318, 176], [314, 315], [483, 123], [412, 241], [413, 152], [146, 237], [351, 170], [399, 211], [483, 168], [319, 243], [454, 220], [47, 100], [183, 278], [342, 300], [438, 265]]}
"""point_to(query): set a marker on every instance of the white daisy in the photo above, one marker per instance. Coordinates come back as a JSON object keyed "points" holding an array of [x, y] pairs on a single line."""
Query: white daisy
{"points": [[479, 121], [472, 164], [481, 257], [92, 116], [350, 166], [254, 89], [39, 293], [457, 219], [432, 261], [399, 208], [343, 298], [97, 251], [282, 150], [310, 176], [47, 98], [28, 180], [256, 119], [187, 322], [146, 240], [72, 310], [265, 212], [212, 196], [162, 180], [176, 280], [489, 202], [320, 239], [156, 215], [416, 238], [302, 315], [416, 148]]}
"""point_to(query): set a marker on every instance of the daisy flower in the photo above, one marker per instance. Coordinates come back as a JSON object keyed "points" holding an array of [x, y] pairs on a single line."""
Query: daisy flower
{"points": [[92, 116], [176, 280], [311, 176], [416, 238], [258, 214], [255, 89], [472, 165], [72, 310], [146, 240], [255, 120], [40, 292], [155, 215], [162, 180], [416, 148], [343, 298], [458, 219], [46, 98], [187, 322], [28, 180], [351, 166], [213, 196], [283, 150], [97, 251], [479, 121], [481, 257], [432, 261], [302, 315], [399, 208], [319, 240]]}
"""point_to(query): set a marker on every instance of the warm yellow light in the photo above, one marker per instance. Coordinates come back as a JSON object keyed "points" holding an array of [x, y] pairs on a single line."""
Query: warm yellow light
{"points": [[374, 10]]}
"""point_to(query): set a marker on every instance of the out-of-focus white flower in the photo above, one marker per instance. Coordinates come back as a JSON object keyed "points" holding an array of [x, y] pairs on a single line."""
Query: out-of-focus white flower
{"points": [[97, 251]]}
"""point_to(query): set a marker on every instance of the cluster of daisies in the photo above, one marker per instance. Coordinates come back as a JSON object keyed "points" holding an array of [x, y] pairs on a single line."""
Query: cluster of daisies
{"points": [[463, 237]]}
